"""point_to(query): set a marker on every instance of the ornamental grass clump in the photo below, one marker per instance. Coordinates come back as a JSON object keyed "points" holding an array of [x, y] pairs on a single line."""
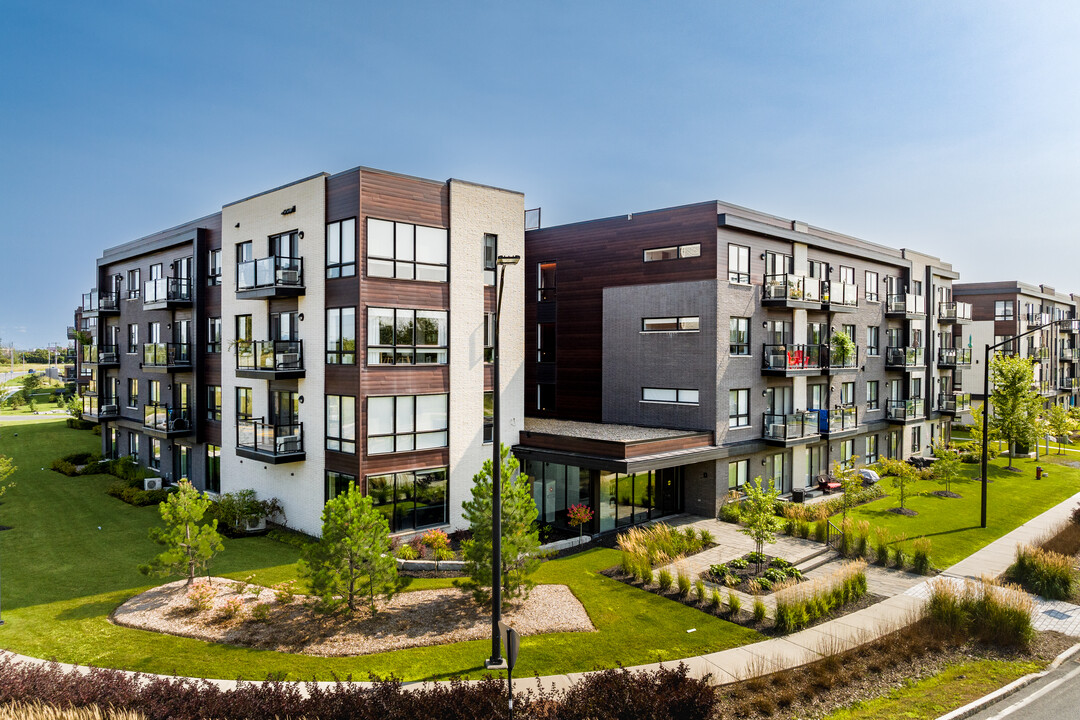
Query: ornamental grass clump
{"points": [[800, 605], [991, 613], [881, 545], [759, 610], [920, 555], [715, 601], [660, 543], [1042, 572], [664, 580], [899, 553], [684, 583], [699, 591], [862, 538], [734, 603]]}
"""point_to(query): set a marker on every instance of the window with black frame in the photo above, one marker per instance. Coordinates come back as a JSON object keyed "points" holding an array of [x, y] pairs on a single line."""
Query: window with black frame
{"points": [[341, 248], [405, 251], [399, 336], [411, 499]]}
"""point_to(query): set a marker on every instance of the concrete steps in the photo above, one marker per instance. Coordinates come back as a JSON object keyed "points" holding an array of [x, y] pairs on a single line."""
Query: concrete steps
{"points": [[815, 559]]}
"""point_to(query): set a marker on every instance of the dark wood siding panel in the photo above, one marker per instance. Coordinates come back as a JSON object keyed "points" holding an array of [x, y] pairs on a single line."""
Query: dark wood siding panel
{"points": [[343, 462], [340, 379], [406, 380], [405, 294], [343, 196], [392, 197], [400, 462]]}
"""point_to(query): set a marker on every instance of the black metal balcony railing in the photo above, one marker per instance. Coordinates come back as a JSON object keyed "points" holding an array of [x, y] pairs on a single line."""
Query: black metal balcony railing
{"points": [[954, 403], [954, 357], [905, 304], [166, 418], [270, 355], [95, 301], [267, 272], [793, 357], [792, 287], [167, 355], [954, 311], [269, 438], [905, 409], [838, 363], [837, 420], [903, 357], [791, 426], [1069, 384], [166, 290], [840, 293]]}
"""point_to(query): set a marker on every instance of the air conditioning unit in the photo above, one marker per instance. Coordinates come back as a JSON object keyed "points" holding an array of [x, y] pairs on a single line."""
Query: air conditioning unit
{"points": [[288, 444], [151, 483], [776, 430], [110, 409], [289, 277], [255, 525], [290, 359]]}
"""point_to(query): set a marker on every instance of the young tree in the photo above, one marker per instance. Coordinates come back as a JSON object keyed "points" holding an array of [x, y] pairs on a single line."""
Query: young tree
{"points": [[903, 475], [353, 555], [1015, 404], [189, 544], [759, 514], [7, 469], [850, 483], [947, 467], [1060, 424], [520, 535]]}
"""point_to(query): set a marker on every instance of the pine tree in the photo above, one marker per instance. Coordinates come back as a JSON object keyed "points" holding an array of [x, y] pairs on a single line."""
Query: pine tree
{"points": [[353, 556], [1015, 404], [520, 535], [189, 545]]}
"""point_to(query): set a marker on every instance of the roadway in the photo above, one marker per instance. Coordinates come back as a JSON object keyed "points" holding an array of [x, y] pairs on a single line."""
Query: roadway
{"points": [[1055, 695]]}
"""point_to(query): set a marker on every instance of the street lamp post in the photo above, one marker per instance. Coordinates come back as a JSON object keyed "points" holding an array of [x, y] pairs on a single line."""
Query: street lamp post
{"points": [[986, 403], [496, 473]]}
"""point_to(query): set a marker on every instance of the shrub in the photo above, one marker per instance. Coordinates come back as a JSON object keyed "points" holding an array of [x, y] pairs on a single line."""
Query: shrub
{"points": [[131, 492], [775, 575], [406, 552], [1042, 572], [284, 592], [236, 510], [665, 580], [230, 609], [201, 596], [730, 513], [779, 563], [800, 605], [756, 557], [260, 612], [920, 555], [992, 613], [734, 603], [759, 610], [738, 564], [64, 468], [706, 537]]}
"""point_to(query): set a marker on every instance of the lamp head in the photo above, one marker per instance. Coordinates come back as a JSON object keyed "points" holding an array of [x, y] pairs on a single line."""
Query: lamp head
{"points": [[508, 259]]}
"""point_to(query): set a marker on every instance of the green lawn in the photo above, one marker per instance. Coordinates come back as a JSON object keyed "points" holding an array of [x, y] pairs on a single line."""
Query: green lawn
{"points": [[952, 688], [953, 524], [62, 576]]}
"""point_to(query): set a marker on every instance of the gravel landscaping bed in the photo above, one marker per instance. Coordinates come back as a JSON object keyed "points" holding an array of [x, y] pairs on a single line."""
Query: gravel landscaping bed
{"points": [[410, 619]]}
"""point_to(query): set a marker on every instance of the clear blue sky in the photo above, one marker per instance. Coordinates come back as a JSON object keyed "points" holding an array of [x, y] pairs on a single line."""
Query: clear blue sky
{"points": [[946, 127]]}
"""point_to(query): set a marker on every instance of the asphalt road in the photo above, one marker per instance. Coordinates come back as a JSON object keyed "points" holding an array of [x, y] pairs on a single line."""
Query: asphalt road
{"points": [[1055, 696]]}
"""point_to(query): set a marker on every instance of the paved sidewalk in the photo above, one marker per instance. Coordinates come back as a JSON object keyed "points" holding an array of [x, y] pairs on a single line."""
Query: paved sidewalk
{"points": [[837, 635]]}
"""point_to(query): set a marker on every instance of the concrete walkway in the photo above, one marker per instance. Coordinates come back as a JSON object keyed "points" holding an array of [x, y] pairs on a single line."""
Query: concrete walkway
{"points": [[843, 633]]}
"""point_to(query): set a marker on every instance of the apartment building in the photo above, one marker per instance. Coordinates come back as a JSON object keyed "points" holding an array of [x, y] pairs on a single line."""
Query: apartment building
{"points": [[676, 354], [1003, 310], [332, 331]]}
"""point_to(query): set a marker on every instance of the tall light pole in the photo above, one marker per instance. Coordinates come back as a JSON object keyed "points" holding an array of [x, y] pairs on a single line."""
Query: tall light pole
{"points": [[496, 473]]}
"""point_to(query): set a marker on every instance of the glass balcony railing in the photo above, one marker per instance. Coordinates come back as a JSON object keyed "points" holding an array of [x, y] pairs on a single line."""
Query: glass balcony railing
{"points": [[905, 304], [1069, 354], [903, 357], [793, 357], [841, 363], [167, 355], [954, 312], [167, 290], [841, 293], [166, 418], [838, 420], [269, 272], [270, 355], [100, 407], [905, 409], [1069, 384], [792, 287], [791, 426], [270, 438], [954, 357], [954, 403]]}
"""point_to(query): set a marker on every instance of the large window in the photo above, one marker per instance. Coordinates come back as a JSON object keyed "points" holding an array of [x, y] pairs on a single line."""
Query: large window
{"points": [[341, 336], [213, 402], [847, 274], [133, 445], [545, 342], [213, 468], [739, 408], [916, 439], [405, 251], [407, 337], [690, 323], [738, 264], [213, 267], [412, 499], [341, 248], [213, 335], [491, 257], [545, 281], [871, 288], [674, 252], [679, 396], [406, 422], [338, 484], [1003, 309], [243, 403], [341, 423], [847, 454], [739, 342], [737, 472]]}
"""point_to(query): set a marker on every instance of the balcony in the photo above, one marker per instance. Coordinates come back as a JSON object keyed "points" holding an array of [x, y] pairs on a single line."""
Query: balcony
{"points": [[953, 357], [270, 359], [104, 356], [791, 428], [269, 442], [954, 312], [71, 332], [166, 293], [96, 408], [1039, 353], [1044, 387], [903, 358], [954, 404], [1069, 384], [792, 360], [95, 304], [835, 364], [905, 305], [791, 291], [1069, 354], [1070, 327], [167, 421], [1035, 318], [270, 277], [905, 411], [838, 422], [167, 357], [840, 297]]}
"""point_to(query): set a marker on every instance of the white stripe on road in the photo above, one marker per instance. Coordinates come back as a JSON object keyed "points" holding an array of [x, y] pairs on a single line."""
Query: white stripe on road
{"points": [[1035, 695]]}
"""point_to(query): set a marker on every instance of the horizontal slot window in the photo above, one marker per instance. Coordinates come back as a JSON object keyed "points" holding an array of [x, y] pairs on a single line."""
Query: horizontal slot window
{"points": [[671, 324]]}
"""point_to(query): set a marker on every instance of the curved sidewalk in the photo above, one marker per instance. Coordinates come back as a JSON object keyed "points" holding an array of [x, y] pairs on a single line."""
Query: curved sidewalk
{"points": [[830, 637]]}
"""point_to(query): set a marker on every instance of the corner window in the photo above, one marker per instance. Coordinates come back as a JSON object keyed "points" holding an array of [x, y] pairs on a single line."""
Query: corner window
{"points": [[674, 252], [341, 336], [679, 396], [407, 337], [739, 408], [690, 323], [406, 251], [739, 343], [341, 248], [406, 422], [738, 264], [341, 423]]}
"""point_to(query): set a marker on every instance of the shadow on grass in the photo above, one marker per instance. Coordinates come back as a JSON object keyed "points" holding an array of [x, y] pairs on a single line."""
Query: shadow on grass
{"points": [[87, 611]]}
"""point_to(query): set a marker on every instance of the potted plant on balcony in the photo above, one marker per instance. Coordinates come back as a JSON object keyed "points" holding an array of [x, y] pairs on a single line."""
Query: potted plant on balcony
{"points": [[841, 349]]}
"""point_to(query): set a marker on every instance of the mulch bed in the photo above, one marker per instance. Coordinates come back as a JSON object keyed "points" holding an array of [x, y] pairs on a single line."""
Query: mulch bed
{"points": [[902, 511], [745, 575], [946, 494]]}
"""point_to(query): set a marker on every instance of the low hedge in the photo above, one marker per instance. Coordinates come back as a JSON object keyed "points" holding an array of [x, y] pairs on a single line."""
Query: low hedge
{"points": [[131, 492], [665, 694]]}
